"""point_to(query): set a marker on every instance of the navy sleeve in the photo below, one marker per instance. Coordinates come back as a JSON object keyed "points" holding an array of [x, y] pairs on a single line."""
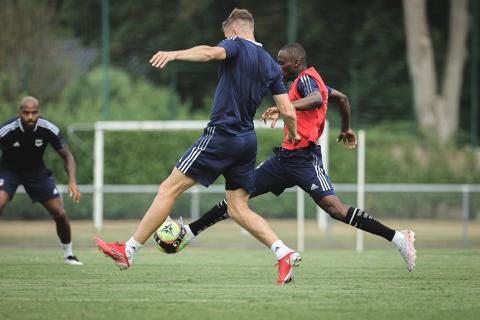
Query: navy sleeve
{"points": [[231, 46], [56, 140], [277, 87], [306, 85], [329, 90], [5, 130]]}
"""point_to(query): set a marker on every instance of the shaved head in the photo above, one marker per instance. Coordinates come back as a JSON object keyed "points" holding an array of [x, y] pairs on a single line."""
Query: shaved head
{"points": [[29, 112], [296, 52], [28, 101]]}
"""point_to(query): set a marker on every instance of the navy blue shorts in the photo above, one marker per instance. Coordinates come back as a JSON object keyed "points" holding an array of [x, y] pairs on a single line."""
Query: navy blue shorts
{"points": [[39, 185], [218, 152], [289, 168]]}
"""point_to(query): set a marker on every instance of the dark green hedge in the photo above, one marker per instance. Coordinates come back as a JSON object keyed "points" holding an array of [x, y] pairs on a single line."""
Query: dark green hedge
{"points": [[147, 158]]}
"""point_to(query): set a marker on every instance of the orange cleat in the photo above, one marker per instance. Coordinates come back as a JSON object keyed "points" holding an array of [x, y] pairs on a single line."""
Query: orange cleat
{"points": [[286, 267], [116, 251]]}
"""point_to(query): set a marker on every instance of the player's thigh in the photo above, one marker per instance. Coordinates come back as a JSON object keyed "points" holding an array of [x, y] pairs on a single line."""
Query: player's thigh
{"points": [[8, 186], [4, 197], [240, 173], [209, 156], [308, 173], [41, 187], [270, 177], [176, 183], [55, 207]]}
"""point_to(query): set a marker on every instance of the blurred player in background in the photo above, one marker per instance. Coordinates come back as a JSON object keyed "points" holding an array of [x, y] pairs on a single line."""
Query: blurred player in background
{"points": [[228, 145], [23, 141], [301, 164]]}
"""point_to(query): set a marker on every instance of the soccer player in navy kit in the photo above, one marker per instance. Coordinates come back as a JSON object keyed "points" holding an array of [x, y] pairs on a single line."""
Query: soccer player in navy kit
{"points": [[23, 141], [228, 146], [301, 164]]}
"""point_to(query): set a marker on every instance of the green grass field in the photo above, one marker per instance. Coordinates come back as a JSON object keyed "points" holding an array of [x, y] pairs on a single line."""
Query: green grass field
{"points": [[215, 280]]}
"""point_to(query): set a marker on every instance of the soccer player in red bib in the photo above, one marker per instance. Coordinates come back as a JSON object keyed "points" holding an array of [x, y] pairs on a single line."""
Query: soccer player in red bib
{"points": [[301, 164], [228, 146]]}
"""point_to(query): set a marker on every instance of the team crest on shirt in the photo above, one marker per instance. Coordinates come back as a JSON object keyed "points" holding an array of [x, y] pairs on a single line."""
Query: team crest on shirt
{"points": [[16, 144], [38, 142]]}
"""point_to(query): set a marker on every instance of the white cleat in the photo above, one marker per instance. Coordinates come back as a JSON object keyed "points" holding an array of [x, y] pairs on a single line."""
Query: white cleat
{"points": [[73, 261], [407, 250]]}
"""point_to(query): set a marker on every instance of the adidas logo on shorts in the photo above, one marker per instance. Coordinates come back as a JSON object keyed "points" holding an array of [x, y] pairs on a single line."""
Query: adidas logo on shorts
{"points": [[313, 187]]}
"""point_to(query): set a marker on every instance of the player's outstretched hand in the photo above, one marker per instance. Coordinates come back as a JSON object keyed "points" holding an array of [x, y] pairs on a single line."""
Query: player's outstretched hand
{"points": [[273, 114], [161, 58], [348, 138], [74, 192]]}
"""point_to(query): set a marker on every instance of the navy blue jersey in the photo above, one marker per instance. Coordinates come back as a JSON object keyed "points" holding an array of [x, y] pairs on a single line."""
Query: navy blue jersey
{"points": [[245, 77], [22, 149], [307, 85]]}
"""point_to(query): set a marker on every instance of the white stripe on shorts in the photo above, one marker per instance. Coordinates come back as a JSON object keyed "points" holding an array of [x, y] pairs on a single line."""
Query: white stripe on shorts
{"points": [[197, 150], [185, 161], [321, 177]]}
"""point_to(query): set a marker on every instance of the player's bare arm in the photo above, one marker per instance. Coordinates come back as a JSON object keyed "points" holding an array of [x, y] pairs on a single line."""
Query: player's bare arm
{"points": [[70, 168], [312, 101], [195, 54], [347, 135], [289, 116]]}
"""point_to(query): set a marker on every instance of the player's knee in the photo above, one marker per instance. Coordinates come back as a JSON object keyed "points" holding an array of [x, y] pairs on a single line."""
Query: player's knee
{"points": [[59, 214], [2, 207], [335, 211], [3, 201], [236, 208], [333, 206], [171, 188], [233, 211]]}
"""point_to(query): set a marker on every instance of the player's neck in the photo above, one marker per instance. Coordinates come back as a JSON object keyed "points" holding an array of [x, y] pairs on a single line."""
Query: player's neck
{"points": [[246, 36], [300, 70]]}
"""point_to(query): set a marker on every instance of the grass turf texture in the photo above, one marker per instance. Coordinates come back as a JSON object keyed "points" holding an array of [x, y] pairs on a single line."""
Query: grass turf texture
{"points": [[226, 275]]}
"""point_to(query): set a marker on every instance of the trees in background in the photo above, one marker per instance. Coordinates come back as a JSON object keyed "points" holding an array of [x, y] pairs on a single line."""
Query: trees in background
{"points": [[436, 99], [35, 54], [359, 47]]}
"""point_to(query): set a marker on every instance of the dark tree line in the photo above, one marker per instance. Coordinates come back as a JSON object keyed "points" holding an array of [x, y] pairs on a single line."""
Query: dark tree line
{"points": [[358, 46]]}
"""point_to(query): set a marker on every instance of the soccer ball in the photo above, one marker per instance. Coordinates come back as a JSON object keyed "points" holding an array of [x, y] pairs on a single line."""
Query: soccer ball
{"points": [[168, 238]]}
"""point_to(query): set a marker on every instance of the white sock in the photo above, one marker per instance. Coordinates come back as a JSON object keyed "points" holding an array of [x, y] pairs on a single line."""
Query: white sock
{"points": [[279, 249], [67, 249], [190, 234], [131, 248], [398, 238]]}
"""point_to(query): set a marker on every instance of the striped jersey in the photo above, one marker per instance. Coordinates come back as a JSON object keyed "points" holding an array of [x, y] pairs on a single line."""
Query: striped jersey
{"points": [[23, 148], [246, 75]]}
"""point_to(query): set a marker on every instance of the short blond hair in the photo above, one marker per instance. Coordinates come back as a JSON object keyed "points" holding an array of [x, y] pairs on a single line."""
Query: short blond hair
{"points": [[242, 17]]}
